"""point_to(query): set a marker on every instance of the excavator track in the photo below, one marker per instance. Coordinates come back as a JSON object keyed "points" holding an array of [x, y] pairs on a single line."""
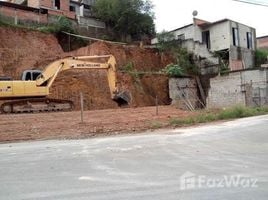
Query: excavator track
{"points": [[36, 105]]}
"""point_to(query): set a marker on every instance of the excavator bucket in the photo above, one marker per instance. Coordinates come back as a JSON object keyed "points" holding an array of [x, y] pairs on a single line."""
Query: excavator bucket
{"points": [[122, 98]]}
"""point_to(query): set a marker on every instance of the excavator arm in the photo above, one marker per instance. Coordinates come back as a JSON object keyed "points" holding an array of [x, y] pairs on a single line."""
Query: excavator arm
{"points": [[47, 77]]}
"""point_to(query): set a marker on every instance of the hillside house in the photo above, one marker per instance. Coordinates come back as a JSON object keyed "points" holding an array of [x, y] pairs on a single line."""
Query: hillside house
{"points": [[45, 11], [235, 42], [53, 7]]}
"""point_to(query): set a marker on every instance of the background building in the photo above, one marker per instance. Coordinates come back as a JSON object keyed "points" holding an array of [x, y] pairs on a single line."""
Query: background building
{"points": [[236, 42]]}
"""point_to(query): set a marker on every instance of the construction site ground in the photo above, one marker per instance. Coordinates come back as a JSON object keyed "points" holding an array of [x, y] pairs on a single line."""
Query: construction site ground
{"points": [[67, 125], [139, 72]]}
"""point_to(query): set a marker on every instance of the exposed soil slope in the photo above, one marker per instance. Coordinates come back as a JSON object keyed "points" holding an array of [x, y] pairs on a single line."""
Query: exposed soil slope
{"points": [[23, 49]]}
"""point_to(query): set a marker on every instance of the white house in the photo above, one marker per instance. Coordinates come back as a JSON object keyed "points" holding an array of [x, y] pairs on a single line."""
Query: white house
{"points": [[235, 40]]}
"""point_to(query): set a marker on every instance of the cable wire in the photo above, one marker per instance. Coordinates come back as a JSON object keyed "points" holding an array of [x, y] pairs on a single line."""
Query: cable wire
{"points": [[252, 3]]}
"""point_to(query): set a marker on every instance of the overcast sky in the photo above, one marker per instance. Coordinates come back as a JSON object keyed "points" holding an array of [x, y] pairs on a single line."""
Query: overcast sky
{"points": [[172, 14]]}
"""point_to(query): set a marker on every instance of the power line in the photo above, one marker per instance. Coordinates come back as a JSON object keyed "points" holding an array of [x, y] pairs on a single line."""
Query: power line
{"points": [[252, 3]]}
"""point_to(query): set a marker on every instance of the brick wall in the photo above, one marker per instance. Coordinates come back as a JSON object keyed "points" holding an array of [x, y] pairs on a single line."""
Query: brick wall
{"points": [[17, 14], [240, 88], [33, 3], [48, 4], [63, 10], [262, 42]]}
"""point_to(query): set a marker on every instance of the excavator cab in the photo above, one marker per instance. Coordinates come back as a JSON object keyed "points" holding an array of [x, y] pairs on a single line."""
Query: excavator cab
{"points": [[30, 75]]}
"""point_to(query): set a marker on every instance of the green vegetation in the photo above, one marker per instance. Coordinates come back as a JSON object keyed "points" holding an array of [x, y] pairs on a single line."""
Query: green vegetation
{"points": [[260, 57], [129, 67], [2, 23], [224, 61], [184, 64], [230, 113], [166, 42], [156, 125], [129, 19], [130, 70], [210, 116], [62, 24], [174, 70]]}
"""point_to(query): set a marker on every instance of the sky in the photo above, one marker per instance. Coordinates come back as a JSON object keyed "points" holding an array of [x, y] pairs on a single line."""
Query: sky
{"points": [[172, 14]]}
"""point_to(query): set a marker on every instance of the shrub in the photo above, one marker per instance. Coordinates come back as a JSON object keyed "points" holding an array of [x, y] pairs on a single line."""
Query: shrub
{"points": [[173, 70], [62, 24], [260, 57]]}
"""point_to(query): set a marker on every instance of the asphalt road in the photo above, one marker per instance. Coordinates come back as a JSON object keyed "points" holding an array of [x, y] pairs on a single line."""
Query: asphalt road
{"points": [[221, 161]]}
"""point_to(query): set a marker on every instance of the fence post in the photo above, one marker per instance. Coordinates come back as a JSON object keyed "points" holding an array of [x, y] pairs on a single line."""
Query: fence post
{"points": [[156, 104], [82, 106]]}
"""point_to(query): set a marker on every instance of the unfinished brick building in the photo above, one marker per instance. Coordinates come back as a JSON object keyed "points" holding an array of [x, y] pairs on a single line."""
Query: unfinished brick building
{"points": [[54, 7], [47, 11]]}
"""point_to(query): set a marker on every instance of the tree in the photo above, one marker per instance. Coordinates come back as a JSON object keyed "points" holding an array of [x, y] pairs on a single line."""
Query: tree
{"points": [[126, 18]]}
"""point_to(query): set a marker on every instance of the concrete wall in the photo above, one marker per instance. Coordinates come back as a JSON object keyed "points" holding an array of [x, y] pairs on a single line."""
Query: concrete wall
{"points": [[207, 63], [16, 15], [248, 88], [242, 32], [188, 32], [225, 91], [220, 36], [258, 79], [241, 58], [92, 22], [183, 91]]}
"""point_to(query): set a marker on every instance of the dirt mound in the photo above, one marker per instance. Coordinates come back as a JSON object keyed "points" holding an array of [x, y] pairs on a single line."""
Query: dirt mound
{"points": [[144, 86], [141, 58], [23, 49]]}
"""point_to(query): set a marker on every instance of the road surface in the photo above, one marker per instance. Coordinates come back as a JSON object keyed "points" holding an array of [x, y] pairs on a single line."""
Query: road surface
{"points": [[221, 161]]}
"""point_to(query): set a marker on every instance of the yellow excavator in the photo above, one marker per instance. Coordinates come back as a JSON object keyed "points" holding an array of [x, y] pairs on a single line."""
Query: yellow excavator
{"points": [[31, 93]]}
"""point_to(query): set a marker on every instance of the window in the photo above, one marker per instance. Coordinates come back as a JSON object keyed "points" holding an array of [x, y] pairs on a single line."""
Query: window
{"points": [[235, 37], [72, 8], [249, 40], [35, 75], [57, 4], [28, 76], [206, 38], [181, 37]]}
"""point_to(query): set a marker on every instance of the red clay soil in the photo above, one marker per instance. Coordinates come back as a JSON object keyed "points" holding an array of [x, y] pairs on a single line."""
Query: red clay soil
{"points": [[67, 125], [23, 49]]}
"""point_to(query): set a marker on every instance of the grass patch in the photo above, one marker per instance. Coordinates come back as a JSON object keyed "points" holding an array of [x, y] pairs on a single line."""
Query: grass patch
{"points": [[237, 112], [230, 113], [156, 125]]}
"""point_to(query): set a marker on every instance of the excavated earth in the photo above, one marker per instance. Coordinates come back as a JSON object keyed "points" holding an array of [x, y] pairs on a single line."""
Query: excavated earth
{"points": [[22, 49]]}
